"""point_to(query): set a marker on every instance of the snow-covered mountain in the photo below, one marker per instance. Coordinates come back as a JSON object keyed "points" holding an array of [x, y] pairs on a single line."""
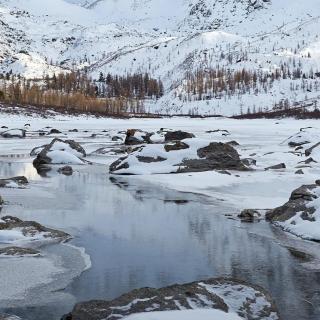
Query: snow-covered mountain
{"points": [[167, 39]]}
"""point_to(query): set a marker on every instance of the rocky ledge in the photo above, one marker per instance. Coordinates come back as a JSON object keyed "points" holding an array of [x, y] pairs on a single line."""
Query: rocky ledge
{"points": [[249, 302], [301, 214]]}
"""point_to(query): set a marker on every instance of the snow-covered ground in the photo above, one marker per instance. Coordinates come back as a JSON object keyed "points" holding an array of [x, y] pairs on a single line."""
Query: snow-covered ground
{"points": [[264, 140]]}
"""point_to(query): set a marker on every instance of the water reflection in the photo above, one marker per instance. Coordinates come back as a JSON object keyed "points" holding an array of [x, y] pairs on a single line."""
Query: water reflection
{"points": [[138, 236]]}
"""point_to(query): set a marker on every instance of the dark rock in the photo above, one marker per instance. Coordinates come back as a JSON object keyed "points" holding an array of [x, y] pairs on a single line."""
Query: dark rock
{"points": [[54, 131], [277, 167], [66, 170], [294, 144], [249, 215], [249, 162], [74, 130], [297, 204], [150, 159], [176, 145], [299, 172], [116, 138], [216, 156], [309, 150], [177, 297], [132, 140], [177, 136], [115, 166]]}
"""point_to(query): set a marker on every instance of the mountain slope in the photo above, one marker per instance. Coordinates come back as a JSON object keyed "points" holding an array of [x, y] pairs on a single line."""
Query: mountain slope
{"points": [[168, 39]]}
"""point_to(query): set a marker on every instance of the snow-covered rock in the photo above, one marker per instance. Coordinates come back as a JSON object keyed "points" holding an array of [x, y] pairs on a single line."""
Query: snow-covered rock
{"points": [[188, 155], [14, 231], [301, 214], [59, 152], [229, 297], [14, 133]]}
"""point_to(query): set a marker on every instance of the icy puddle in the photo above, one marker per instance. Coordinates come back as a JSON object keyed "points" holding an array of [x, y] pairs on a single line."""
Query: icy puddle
{"points": [[139, 235]]}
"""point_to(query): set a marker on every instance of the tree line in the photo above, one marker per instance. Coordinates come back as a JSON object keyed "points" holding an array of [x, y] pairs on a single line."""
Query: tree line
{"points": [[77, 91]]}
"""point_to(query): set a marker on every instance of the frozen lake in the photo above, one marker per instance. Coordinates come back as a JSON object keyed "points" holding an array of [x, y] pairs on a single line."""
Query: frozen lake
{"points": [[149, 231], [139, 235]]}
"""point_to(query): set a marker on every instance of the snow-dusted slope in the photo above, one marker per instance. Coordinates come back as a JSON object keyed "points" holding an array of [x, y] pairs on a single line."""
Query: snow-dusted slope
{"points": [[166, 38]]}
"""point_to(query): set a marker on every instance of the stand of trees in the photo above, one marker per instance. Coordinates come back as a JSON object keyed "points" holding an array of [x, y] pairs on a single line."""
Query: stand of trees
{"points": [[217, 83], [76, 91]]}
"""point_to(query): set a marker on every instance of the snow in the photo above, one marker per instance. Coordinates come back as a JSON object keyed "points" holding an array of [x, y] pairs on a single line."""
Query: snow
{"points": [[120, 37], [203, 314], [63, 157]]}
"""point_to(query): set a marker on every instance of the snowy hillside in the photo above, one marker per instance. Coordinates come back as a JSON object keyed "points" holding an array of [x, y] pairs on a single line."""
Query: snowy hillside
{"points": [[169, 39]]}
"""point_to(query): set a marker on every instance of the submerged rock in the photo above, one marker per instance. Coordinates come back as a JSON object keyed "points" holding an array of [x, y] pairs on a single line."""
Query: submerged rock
{"points": [[249, 215], [14, 182], [66, 170], [250, 302]]}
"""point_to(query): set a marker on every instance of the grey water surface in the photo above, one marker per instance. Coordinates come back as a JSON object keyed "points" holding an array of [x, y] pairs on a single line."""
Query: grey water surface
{"points": [[139, 234]]}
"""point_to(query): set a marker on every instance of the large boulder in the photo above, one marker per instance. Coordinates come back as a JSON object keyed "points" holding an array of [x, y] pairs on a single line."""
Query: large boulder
{"points": [[251, 302], [189, 155], [178, 135], [59, 152], [137, 137], [301, 214], [215, 156]]}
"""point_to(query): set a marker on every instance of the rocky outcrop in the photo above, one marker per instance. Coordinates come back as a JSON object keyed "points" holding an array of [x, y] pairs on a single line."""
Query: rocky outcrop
{"points": [[221, 294], [298, 203]]}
